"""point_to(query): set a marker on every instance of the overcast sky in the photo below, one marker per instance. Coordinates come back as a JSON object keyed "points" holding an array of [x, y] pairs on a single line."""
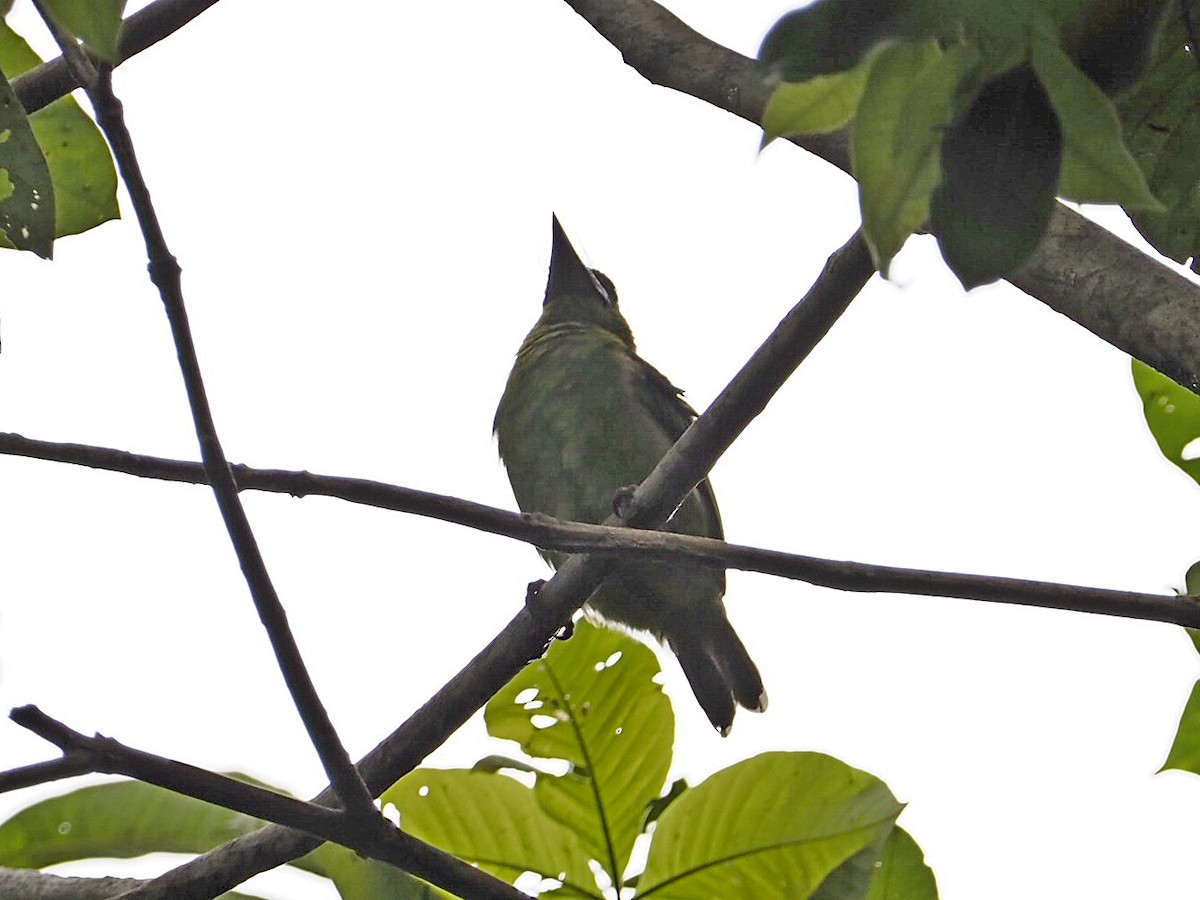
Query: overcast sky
{"points": [[360, 197]]}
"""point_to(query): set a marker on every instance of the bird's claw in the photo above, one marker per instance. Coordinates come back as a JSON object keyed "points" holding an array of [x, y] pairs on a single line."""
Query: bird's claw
{"points": [[537, 609], [622, 502]]}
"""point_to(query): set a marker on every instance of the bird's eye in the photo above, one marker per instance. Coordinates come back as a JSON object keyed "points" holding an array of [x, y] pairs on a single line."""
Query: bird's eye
{"points": [[604, 286]]}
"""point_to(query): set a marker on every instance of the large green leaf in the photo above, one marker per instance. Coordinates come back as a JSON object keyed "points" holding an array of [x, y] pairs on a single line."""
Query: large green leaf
{"points": [[1172, 413], [26, 190], [492, 821], [128, 818], [776, 825], [592, 702], [1000, 167], [1096, 165], [81, 168], [119, 820], [896, 145]]}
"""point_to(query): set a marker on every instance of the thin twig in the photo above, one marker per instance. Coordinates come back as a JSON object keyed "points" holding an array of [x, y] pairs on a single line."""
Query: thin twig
{"points": [[526, 635], [552, 533], [578, 537], [165, 274]]}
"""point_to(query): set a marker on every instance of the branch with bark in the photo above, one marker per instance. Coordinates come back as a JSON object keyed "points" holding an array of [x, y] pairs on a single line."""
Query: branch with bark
{"points": [[1081, 270]]}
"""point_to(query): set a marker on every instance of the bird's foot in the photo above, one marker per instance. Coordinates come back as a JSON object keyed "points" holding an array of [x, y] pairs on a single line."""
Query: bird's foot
{"points": [[622, 502], [537, 609]]}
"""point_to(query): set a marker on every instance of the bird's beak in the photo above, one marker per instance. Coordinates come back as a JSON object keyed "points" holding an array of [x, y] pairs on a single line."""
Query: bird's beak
{"points": [[568, 273]]}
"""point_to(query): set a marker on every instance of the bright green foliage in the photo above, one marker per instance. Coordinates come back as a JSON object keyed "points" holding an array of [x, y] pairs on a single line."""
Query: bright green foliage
{"points": [[27, 210], [1160, 117], [1172, 413], [775, 825], [129, 819], [1185, 750], [96, 22], [779, 825], [81, 168], [897, 140], [597, 707], [1096, 166], [1026, 86]]}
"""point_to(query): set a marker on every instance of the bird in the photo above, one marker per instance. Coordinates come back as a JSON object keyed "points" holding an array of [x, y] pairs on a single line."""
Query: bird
{"points": [[583, 417]]}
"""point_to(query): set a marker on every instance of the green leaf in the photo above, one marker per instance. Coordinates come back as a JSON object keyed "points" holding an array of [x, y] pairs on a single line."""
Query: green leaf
{"points": [[1185, 750], [1160, 118], [592, 702], [818, 105], [832, 36], [1000, 166], [1172, 414], [492, 821], [896, 146], [121, 820], [96, 22], [27, 210], [1096, 166], [776, 825], [903, 874], [81, 168]]}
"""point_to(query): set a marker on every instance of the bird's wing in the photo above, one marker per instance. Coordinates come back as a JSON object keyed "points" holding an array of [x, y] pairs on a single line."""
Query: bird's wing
{"points": [[665, 403]]}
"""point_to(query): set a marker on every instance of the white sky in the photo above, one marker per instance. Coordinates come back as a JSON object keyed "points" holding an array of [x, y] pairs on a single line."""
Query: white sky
{"points": [[360, 197]]}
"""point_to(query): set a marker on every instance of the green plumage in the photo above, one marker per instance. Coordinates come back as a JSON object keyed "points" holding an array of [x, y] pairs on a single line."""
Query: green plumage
{"points": [[583, 415]]}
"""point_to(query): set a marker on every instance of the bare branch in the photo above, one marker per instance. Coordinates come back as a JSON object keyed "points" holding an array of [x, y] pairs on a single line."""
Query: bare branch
{"points": [[29, 884], [44, 84], [373, 836], [1081, 270], [578, 537], [165, 274]]}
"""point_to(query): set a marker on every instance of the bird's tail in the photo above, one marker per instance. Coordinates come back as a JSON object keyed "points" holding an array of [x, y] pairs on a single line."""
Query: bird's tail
{"points": [[719, 669]]}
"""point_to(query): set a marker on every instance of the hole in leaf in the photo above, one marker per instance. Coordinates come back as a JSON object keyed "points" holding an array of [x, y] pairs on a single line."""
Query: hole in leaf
{"points": [[525, 696], [1191, 450]]}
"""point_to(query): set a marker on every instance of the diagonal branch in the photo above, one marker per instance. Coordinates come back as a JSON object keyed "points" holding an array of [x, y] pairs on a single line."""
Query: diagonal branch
{"points": [[1081, 270], [524, 638], [166, 276], [374, 837]]}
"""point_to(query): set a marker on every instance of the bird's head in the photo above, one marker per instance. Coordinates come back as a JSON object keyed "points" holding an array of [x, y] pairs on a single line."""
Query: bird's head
{"points": [[575, 293]]}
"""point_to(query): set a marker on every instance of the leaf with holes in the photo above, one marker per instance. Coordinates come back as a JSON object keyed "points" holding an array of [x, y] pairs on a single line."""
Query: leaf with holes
{"points": [[81, 168], [592, 702], [27, 204], [1172, 414], [492, 821]]}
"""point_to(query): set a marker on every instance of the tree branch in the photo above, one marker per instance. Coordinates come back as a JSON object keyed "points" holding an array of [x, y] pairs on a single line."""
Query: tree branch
{"points": [[373, 836], [524, 638], [577, 537], [166, 276], [42, 85], [1080, 269]]}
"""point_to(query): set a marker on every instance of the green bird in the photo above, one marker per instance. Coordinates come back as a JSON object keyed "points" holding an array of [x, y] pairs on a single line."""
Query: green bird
{"points": [[583, 416]]}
